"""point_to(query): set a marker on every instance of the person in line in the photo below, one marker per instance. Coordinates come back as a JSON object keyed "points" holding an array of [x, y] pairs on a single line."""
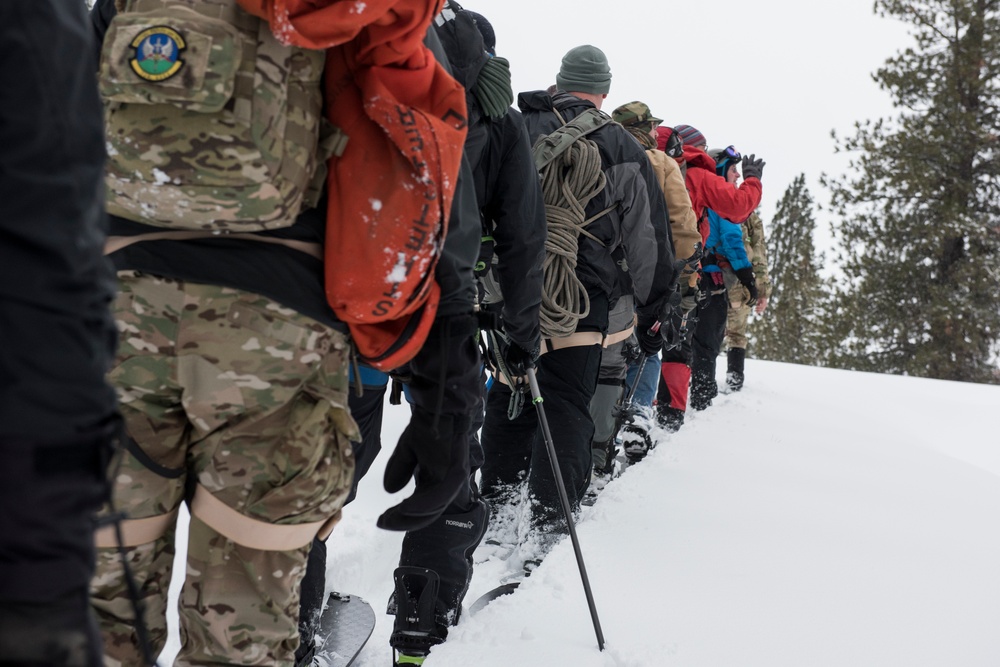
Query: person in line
{"points": [[724, 266], [513, 232], [641, 124], [707, 190], [232, 370], [58, 413], [740, 303], [629, 221]]}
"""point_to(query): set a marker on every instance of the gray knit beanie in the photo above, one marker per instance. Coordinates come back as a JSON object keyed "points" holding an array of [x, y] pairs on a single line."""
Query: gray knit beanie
{"points": [[585, 70]]}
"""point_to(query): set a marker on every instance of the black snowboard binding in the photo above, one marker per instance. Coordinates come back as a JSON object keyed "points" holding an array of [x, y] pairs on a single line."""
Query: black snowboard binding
{"points": [[415, 630]]}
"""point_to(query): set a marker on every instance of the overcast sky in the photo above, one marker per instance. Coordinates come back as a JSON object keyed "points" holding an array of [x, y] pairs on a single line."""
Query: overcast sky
{"points": [[771, 77]]}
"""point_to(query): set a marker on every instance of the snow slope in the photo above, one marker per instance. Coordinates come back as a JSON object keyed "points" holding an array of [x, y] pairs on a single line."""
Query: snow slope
{"points": [[818, 517]]}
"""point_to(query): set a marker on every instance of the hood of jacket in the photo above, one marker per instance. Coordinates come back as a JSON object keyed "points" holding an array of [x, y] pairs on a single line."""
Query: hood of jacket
{"points": [[699, 159]]}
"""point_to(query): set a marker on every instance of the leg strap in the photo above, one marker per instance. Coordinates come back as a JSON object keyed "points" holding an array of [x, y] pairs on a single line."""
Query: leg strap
{"points": [[254, 533], [136, 532]]}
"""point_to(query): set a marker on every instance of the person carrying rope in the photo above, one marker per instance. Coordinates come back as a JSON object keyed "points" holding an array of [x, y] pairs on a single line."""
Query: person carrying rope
{"points": [[606, 219]]}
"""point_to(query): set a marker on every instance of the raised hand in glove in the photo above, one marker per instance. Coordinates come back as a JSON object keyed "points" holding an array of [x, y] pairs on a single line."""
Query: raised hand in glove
{"points": [[752, 167], [518, 360], [650, 340], [747, 279], [438, 459]]}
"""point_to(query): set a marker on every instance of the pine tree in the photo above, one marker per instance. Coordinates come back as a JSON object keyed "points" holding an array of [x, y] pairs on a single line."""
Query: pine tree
{"points": [[920, 221], [790, 330]]}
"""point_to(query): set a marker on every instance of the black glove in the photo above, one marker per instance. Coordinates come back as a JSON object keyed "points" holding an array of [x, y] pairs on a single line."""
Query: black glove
{"points": [[518, 360], [631, 352], [689, 299], [650, 341], [439, 460], [752, 167], [747, 279]]}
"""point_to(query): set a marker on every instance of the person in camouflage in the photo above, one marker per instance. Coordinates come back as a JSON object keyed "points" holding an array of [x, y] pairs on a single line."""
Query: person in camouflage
{"points": [[232, 378], [739, 300]]}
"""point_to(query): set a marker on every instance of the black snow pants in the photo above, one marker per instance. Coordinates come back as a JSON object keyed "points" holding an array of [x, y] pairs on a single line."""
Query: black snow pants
{"points": [[707, 343], [515, 448]]}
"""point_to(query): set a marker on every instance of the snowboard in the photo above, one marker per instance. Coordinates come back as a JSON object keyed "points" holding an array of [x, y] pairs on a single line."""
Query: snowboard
{"points": [[345, 625], [490, 596]]}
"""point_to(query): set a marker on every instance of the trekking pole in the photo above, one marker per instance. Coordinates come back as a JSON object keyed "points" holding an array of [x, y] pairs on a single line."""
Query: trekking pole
{"points": [[550, 447]]}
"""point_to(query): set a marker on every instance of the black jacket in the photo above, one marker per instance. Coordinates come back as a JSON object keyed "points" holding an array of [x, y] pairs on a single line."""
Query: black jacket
{"points": [[507, 186], [57, 336], [514, 215], [638, 224], [292, 278]]}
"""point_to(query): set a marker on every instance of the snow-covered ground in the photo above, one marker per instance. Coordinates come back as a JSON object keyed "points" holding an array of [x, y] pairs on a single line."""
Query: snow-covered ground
{"points": [[816, 518]]}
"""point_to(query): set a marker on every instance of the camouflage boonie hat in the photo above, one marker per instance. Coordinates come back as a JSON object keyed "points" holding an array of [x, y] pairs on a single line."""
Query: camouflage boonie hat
{"points": [[635, 113]]}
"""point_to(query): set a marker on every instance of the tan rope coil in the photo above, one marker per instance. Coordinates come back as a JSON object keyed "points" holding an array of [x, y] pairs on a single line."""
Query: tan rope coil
{"points": [[568, 184]]}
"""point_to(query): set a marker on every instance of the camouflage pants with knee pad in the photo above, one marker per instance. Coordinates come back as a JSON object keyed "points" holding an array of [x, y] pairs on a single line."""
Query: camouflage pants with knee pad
{"points": [[237, 406]]}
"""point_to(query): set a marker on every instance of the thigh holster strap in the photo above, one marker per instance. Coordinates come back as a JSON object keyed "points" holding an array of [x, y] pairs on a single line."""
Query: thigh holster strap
{"points": [[136, 532], [253, 533]]}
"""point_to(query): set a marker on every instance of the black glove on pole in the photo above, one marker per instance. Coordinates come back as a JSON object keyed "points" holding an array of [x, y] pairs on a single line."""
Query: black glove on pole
{"points": [[752, 167], [747, 279], [650, 340], [518, 359]]}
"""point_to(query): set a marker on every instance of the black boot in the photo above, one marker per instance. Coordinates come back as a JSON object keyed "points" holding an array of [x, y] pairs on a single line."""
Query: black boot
{"points": [[734, 371], [669, 419]]}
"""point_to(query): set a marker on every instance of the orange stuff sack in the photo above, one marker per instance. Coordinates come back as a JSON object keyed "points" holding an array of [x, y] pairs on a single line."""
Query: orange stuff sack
{"points": [[390, 192]]}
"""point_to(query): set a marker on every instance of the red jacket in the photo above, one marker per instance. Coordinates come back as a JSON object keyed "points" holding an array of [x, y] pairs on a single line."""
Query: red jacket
{"points": [[709, 190]]}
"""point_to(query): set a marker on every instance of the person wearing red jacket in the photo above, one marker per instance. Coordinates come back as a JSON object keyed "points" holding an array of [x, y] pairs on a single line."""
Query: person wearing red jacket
{"points": [[707, 190]]}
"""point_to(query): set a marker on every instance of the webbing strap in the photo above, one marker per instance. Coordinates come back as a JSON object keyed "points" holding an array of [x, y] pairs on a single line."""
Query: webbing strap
{"points": [[115, 243], [253, 533], [619, 337], [577, 339], [135, 532]]}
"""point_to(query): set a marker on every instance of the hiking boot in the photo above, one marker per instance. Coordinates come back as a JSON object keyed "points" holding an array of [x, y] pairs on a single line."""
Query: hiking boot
{"points": [[669, 419], [734, 380], [734, 370], [700, 403], [603, 454]]}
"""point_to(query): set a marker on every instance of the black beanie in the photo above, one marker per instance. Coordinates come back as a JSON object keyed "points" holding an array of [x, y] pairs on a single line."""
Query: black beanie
{"points": [[486, 30]]}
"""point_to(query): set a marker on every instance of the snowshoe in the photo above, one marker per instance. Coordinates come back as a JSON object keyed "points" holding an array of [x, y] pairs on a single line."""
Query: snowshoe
{"points": [[636, 443]]}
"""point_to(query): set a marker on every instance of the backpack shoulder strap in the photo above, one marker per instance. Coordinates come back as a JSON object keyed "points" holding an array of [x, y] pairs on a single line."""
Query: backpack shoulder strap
{"points": [[551, 146]]}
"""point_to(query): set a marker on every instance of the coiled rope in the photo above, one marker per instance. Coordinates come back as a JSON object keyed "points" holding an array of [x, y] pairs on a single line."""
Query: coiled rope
{"points": [[569, 182]]}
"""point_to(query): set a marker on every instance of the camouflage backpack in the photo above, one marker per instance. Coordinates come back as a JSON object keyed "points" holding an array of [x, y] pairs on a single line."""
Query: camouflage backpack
{"points": [[212, 123]]}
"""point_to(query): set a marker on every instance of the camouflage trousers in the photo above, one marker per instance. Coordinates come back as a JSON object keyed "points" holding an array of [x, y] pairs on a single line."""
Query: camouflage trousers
{"points": [[738, 315], [736, 326], [229, 393]]}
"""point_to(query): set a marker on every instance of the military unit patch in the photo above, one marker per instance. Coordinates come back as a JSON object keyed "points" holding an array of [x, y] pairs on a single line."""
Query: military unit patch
{"points": [[157, 53]]}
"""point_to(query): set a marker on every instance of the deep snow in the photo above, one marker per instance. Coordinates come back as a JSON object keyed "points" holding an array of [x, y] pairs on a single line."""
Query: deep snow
{"points": [[818, 517]]}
